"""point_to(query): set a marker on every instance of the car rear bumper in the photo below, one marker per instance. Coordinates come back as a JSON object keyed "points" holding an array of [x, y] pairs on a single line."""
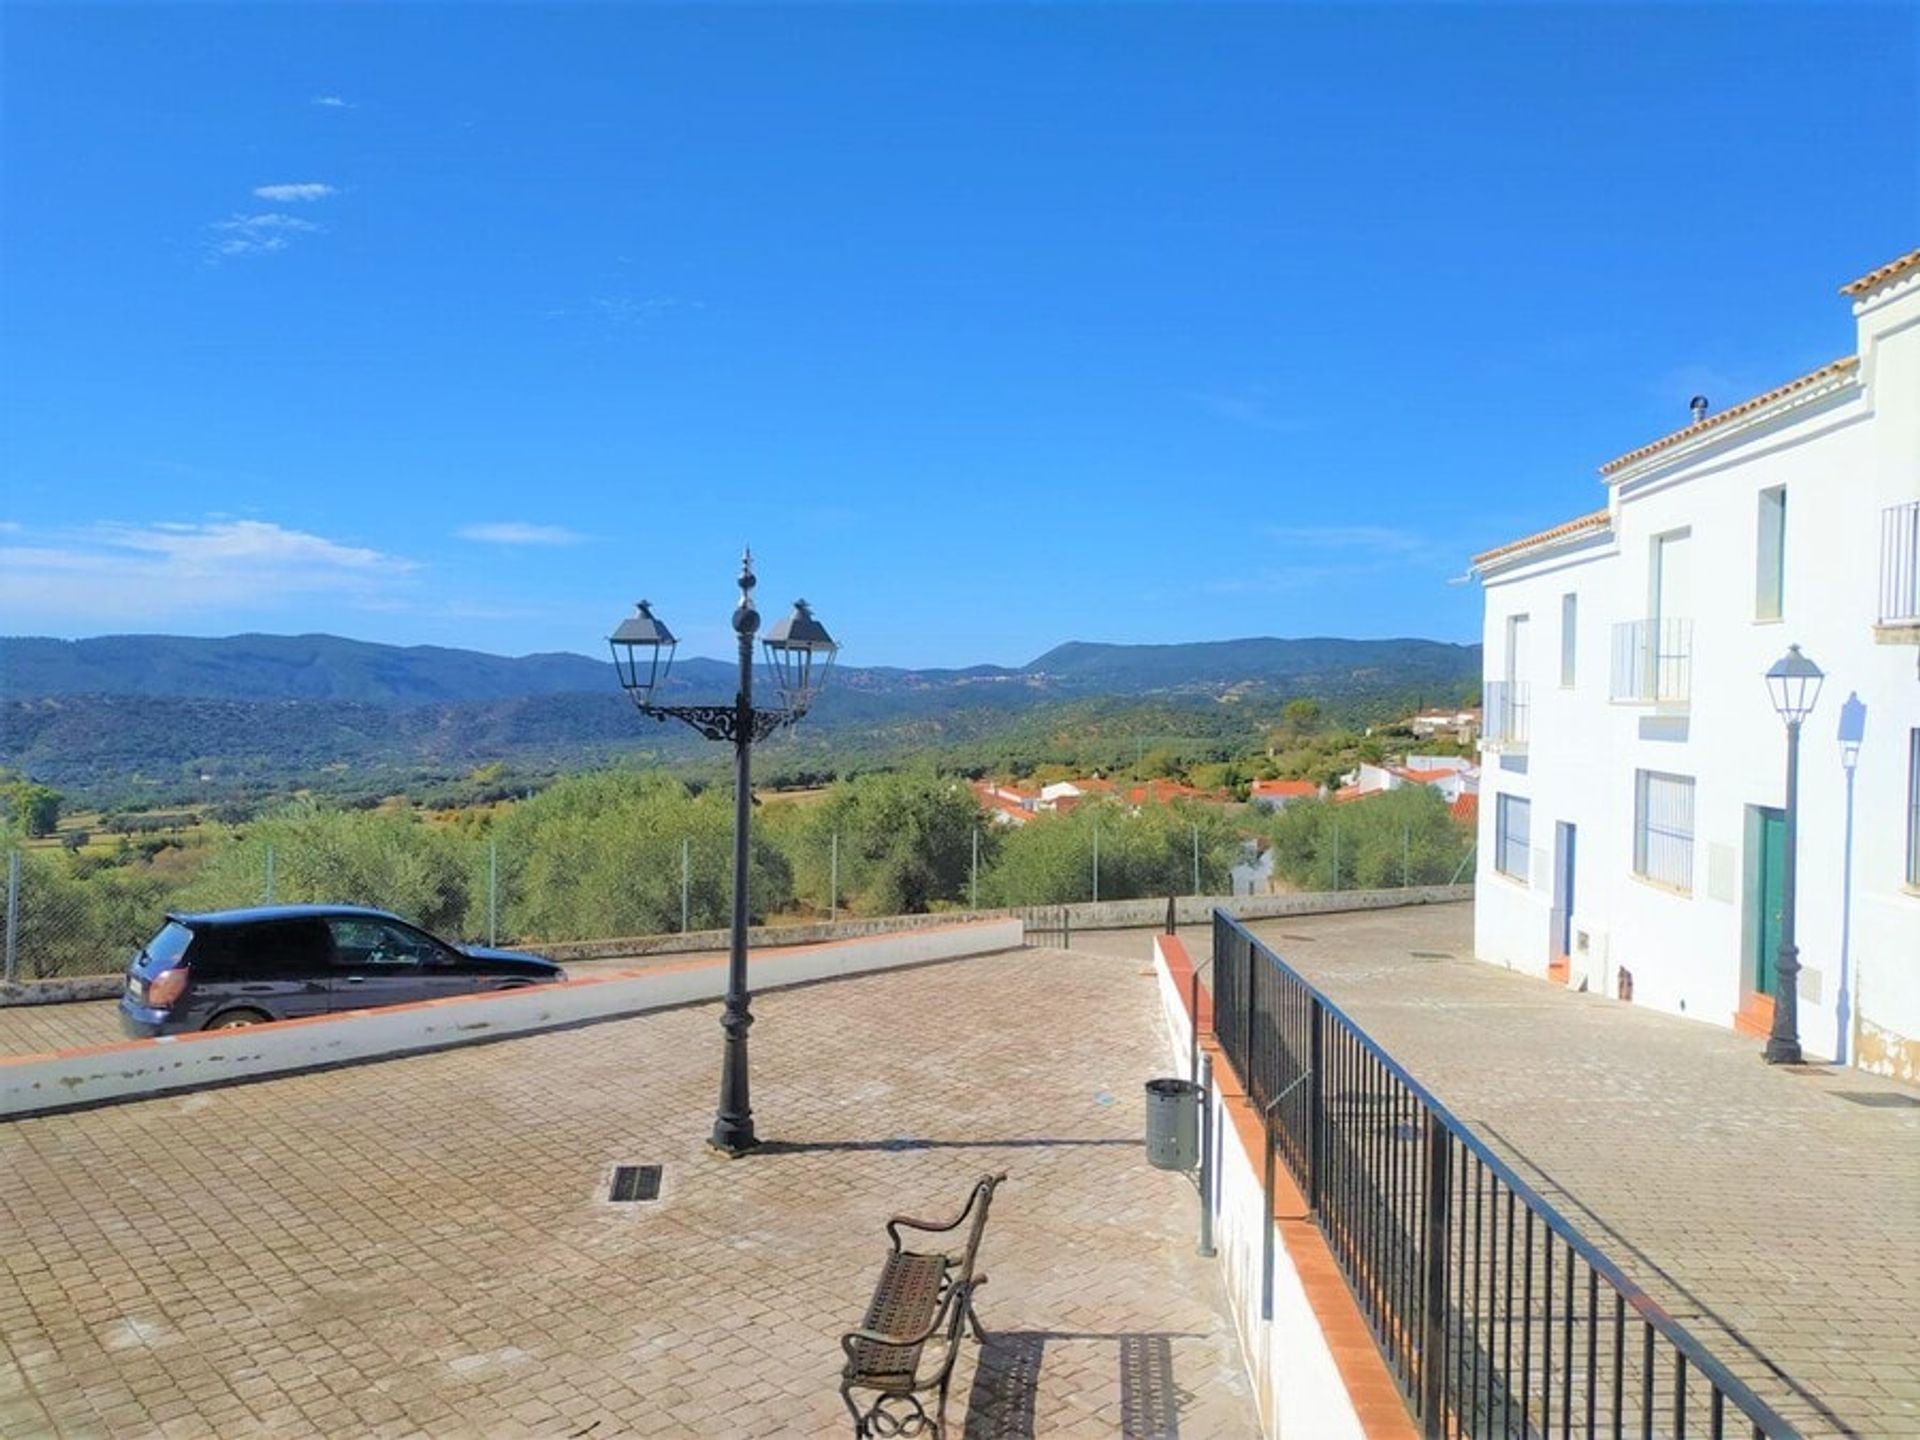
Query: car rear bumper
{"points": [[141, 1022]]}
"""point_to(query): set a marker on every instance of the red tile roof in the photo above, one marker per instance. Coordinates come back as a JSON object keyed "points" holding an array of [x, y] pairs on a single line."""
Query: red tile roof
{"points": [[1595, 521], [1466, 808], [1292, 789], [1874, 279], [1833, 371]]}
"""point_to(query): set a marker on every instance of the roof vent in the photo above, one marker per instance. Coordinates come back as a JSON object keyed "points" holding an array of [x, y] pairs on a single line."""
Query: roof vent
{"points": [[1698, 405]]}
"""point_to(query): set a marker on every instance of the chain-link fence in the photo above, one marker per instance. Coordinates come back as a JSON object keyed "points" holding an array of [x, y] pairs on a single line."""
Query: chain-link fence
{"points": [[72, 912]]}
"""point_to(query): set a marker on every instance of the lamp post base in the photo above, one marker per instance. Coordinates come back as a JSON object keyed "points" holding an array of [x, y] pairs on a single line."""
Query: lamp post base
{"points": [[734, 1143], [1783, 1052]]}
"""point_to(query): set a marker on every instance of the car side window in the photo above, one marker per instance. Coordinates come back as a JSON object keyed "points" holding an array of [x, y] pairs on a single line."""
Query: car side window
{"points": [[369, 943], [291, 950]]}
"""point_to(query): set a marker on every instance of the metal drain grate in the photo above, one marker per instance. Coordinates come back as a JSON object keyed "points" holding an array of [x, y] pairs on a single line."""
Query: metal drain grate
{"points": [[1879, 1099], [635, 1182]]}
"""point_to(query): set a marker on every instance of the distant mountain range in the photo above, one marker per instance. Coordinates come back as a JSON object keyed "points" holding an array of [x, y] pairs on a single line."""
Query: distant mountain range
{"points": [[95, 712]]}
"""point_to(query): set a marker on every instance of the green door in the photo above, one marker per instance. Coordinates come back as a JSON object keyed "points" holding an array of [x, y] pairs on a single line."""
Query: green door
{"points": [[1770, 895]]}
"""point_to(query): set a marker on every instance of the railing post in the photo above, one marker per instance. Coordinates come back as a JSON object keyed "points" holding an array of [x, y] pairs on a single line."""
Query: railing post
{"points": [[1246, 1026], [1316, 1100], [1433, 1330]]}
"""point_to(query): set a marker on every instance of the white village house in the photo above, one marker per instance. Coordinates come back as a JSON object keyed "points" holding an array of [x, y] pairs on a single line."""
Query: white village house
{"points": [[1631, 820]]}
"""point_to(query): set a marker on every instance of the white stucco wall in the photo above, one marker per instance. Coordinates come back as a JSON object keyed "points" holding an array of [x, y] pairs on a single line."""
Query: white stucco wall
{"points": [[1843, 457], [1296, 1380]]}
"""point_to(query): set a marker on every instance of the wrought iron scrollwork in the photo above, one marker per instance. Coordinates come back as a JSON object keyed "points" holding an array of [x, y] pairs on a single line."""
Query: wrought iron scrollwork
{"points": [[910, 1419], [722, 722]]}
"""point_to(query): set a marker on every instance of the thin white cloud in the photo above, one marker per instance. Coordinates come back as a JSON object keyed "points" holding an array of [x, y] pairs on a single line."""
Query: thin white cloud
{"points": [[303, 190], [114, 573], [331, 102], [258, 234], [1253, 407], [1369, 539], [513, 532]]}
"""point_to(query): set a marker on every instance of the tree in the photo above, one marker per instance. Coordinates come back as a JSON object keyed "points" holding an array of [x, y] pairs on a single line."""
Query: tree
{"points": [[35, 807], [905, 843], [1300, 717], [1404, 836], [384, 858]]}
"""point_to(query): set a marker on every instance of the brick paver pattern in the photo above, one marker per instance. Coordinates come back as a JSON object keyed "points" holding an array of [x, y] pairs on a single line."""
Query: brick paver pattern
{"points": [[1775, 1218], [423, 1247]]}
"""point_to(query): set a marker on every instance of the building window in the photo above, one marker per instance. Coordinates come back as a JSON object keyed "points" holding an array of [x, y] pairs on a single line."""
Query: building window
{"points": [[1771, 578], [1663, 829], [1569, 625], [1512, 824], [1913, 808], [1516, 648]]}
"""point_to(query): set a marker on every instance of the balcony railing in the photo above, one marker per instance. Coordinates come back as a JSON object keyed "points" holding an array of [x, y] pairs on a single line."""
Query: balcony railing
{"points": [[1495, 1315], [1504, 716], [1900, 564], [1653, 662]]}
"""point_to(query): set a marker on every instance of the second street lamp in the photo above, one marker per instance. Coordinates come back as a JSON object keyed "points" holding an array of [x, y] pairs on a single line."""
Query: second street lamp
{"points": [[800, 653], [1794, 686]]}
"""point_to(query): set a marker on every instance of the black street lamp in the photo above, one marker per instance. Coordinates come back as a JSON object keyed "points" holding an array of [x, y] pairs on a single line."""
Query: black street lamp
{"points": [[1794, 686], [800, 653]]}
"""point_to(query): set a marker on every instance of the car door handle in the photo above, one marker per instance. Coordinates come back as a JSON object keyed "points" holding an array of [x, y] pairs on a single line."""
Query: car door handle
{"points": [[356, 979]]}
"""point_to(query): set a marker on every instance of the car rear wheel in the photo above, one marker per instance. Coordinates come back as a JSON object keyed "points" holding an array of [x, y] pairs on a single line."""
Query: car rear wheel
{"points": [[235, 1019]]}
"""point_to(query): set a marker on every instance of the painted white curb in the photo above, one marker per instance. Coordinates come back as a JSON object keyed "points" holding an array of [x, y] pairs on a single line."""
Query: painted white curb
{"points": [[139, 1068]]}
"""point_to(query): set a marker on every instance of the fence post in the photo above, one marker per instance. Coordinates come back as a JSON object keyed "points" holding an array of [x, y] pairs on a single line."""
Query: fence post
{"points": [[1433, 1330], [686, 878], [973, 882], [1316, 1101], [1336, 854], [1196, 859], [493, 892], [269, 899], [1406, 856], [13, 913], [833, 882], [1096, 862]]}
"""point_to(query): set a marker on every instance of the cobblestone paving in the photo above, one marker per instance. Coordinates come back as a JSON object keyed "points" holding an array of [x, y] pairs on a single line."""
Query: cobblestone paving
{"points": [[1776, 1219], [421, 1247]]}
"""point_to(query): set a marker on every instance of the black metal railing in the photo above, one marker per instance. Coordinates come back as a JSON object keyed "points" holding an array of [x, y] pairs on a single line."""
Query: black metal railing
{"points": [[1495, 1316]]}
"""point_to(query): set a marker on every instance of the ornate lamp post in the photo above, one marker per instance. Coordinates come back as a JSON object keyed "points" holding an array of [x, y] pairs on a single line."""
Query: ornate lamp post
{"points": [[1794, 686], [800, 654]]}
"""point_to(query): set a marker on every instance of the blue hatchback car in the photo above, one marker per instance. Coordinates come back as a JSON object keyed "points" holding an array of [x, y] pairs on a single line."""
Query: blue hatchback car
{"points": [[283, 962]]}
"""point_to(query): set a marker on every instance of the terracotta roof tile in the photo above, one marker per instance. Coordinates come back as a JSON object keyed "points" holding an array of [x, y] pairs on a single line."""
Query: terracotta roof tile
{"points": [[1558, 532], [1874, 279], [1745, 407]]}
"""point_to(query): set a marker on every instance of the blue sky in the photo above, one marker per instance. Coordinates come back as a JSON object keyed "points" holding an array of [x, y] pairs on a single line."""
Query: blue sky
{"points": [[989, 327]]}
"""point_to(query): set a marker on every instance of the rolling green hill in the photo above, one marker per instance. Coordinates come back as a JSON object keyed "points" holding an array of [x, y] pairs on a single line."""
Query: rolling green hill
{"points": [[158, 713]]}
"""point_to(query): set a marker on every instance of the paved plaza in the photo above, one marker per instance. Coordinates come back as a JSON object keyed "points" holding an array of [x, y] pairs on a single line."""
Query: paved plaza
{"points": [[1772, 1212], [423, 1247]]}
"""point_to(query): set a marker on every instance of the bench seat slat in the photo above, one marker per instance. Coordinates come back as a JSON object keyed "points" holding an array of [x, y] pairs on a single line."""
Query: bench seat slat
{"points": [[904, 1303]]}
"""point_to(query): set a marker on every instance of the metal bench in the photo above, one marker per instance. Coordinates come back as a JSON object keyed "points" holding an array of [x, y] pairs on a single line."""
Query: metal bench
{"points": [[906, 1346]]}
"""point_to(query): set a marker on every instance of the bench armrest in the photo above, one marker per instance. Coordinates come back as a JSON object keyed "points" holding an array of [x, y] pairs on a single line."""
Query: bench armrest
{"points": [[983, 1186], [880, 1337]]}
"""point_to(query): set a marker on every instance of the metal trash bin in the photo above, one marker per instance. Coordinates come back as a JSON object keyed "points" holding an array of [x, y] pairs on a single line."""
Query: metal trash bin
{"points": [[1173, 1124]]}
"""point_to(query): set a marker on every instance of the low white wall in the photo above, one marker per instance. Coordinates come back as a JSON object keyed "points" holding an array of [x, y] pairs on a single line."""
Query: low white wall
{"points": [[1296, 1380], [139, 1068]]}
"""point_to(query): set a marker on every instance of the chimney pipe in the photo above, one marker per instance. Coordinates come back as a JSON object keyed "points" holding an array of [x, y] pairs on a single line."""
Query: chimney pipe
{"points": [[1698, 405]]}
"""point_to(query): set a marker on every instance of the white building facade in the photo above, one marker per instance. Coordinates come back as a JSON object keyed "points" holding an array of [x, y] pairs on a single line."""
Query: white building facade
{"points": [[1634, 773]]}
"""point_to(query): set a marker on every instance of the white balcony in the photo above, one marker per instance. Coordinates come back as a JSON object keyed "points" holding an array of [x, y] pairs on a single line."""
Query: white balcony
{"points": [[1653, 663]]}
